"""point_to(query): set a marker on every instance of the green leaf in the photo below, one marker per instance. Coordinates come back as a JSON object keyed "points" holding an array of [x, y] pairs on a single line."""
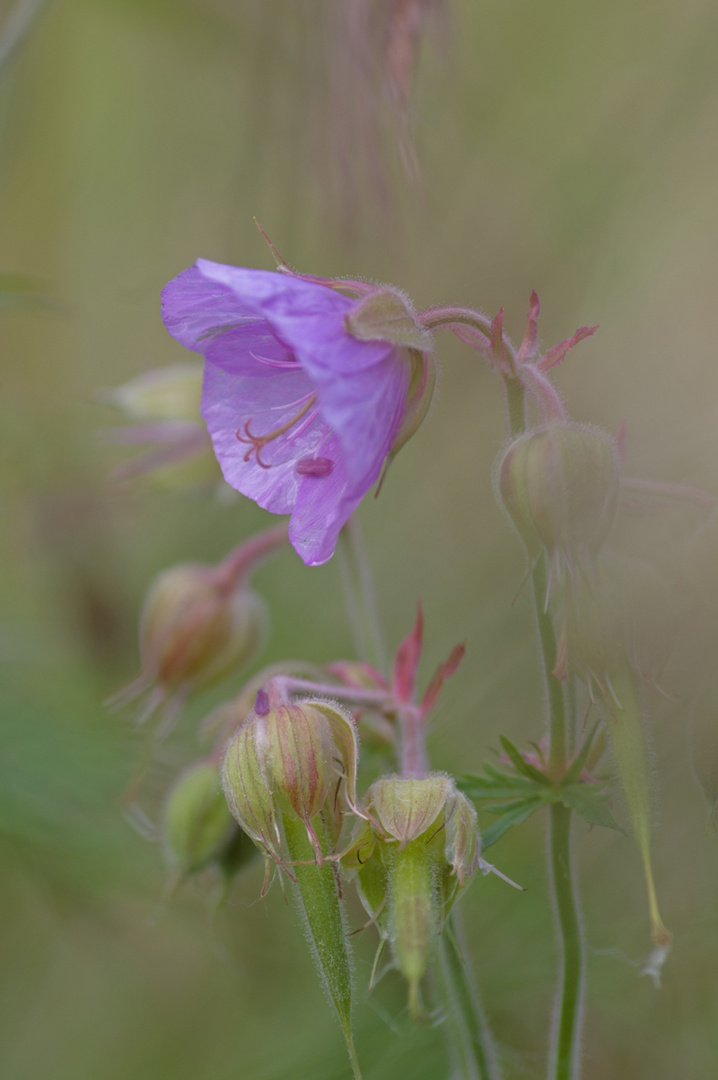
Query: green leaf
{"points": [[574, 771], [511, 814], [507, 787], [587, 801], [505, 775], [520, 765]]}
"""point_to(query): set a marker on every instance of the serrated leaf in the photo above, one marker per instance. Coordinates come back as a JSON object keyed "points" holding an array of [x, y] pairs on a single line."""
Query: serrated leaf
{"points": [[520, 765], [587, 801], [511, 814], [578, 763]]}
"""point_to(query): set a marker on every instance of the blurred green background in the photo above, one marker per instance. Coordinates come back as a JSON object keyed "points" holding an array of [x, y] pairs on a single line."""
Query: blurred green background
{"points": [[564, 146]]}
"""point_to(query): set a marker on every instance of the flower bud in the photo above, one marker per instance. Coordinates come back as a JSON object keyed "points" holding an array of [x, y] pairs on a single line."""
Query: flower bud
{"points": [[164, 407], [418, 848], [559, 485], [168, 393], [197, 824], [193, 629], [289, 759]]}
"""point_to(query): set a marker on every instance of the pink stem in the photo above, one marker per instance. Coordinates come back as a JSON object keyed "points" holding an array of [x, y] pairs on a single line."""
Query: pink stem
{"points": [[243, 560], [414, 761]]}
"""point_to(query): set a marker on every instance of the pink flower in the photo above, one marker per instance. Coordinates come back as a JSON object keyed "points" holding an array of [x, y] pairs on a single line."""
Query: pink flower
{"points": [[306, 391]]}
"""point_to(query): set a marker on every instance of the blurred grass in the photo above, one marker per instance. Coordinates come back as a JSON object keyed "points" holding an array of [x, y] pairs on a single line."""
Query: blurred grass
{"points": [[568, 147]]}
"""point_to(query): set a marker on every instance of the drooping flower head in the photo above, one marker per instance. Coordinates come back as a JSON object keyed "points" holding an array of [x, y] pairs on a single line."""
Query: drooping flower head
{"points": [[307, 391]]}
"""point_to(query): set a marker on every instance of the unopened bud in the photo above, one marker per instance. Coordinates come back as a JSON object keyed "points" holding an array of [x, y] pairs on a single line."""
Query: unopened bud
{"points": [[168, 393], [194, 630], [197, 824], [559, 485], [289, 759]]}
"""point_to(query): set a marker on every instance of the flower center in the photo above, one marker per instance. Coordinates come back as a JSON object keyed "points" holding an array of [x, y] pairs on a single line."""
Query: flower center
{"points": [[258, 442]]}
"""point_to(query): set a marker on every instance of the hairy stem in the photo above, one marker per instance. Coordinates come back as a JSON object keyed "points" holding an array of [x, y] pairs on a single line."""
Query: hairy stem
{"points": [[566, 1035], [243, 560], [318, 898], [568, 1014], [470, 1044], [414, 760]]}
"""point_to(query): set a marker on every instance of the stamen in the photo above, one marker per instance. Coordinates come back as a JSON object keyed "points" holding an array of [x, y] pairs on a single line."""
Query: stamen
{"points": [[273, 363], [258, 442], [303, 427], [290, 404]]}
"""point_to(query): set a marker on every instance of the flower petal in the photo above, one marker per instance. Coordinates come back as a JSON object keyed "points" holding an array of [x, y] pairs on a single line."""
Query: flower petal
{"points": [[195, 308], [273, 295], [323, 505], [363, 385], [365, 407], [228, 403]]}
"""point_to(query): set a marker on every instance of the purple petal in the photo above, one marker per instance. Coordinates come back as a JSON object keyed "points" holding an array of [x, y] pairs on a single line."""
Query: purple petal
{"points": [[323, 506], [251, 349], [274, 295], [229, 402], [363, 385], [365, 409], [195, 309]]}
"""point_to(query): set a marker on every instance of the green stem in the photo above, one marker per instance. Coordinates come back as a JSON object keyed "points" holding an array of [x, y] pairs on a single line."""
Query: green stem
{"points": [[469, 1038], [557, 761], [360, 596], [566, 1036], [318, 897]]}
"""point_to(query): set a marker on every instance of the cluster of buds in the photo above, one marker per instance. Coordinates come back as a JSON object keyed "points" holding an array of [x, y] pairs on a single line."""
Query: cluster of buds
{"points": [[415, 849]]}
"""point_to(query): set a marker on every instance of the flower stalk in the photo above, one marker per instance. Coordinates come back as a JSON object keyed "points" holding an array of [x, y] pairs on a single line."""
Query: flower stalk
{"points": [[468, 1036], [318, 896], [508, 362]]}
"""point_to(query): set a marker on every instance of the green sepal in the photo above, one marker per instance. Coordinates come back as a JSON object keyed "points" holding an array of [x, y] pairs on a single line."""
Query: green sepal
{"points": [[384, 316], [522, 766]]}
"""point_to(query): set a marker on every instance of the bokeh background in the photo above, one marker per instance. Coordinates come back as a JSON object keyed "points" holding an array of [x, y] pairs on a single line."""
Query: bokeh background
{"points": [[560, 145]]}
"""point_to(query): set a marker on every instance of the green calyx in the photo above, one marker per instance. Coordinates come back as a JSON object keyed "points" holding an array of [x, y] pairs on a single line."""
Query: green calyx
{"points": [[410, 859], [385, 315], [197, 824], [559, 485]]}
